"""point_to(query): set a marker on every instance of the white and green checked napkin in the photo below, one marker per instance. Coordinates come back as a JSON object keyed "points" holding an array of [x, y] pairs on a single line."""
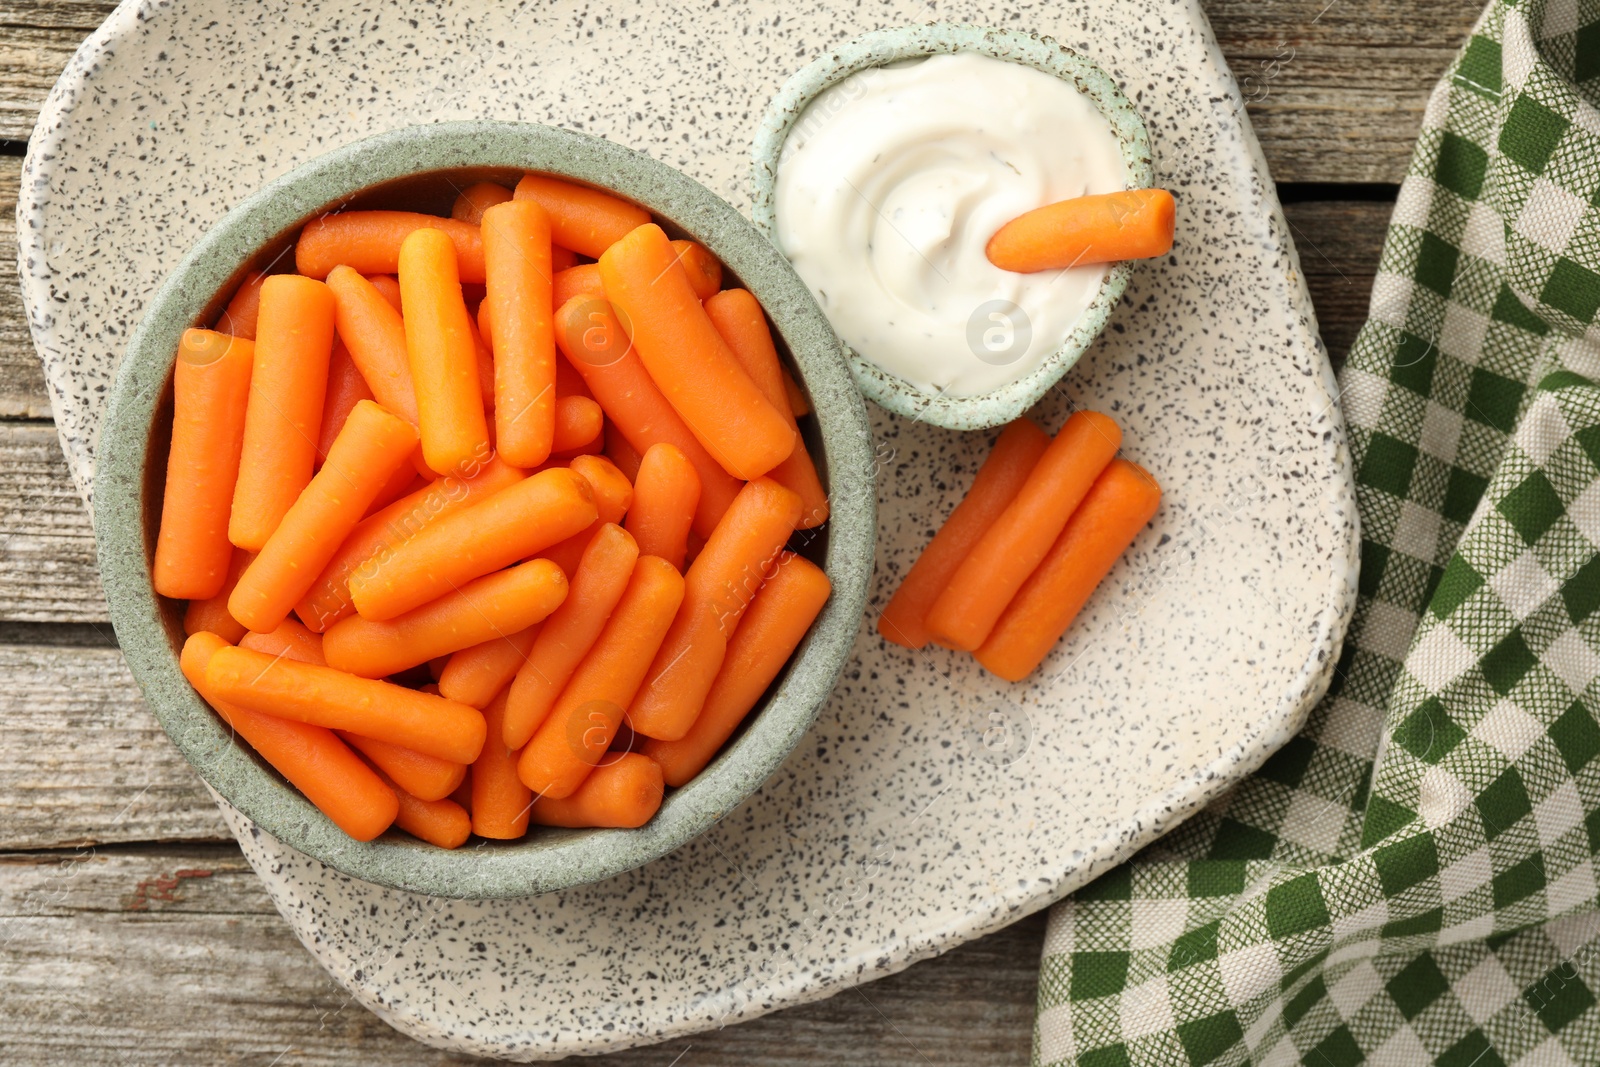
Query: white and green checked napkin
{"points": [[1413, 880]]}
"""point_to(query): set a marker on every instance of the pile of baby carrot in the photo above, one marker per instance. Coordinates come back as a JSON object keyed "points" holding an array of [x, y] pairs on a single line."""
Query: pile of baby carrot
{"points": [[1041, 527], [483, 521]]}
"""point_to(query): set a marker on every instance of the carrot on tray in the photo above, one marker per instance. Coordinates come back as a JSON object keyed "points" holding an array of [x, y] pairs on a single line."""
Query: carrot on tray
{"points": [[665, 494], [474, 200], [594, 343], [579, 729], [622, 794], [211, 614], [513, 524], [516, 254], [585, 220], [238, 319], [770, 631], [371, 328], [288, 381], [1123, 499], [366, 453], [499, 799], [736, 559], [323, 696], [388, 287], [738, 317], [597, 584], [620, 452], [211, 387], [423, 777], [313, 760], [799, 403], [346, 389], [441, 354], [688, 359], [328, 599], [1102, 228], [1014, 454], [476, 674], [1009, 550], [370, 242], [496, 605], [703, 269]]}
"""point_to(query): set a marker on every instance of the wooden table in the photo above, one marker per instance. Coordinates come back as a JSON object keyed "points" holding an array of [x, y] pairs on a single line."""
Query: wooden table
{"points": [[131, 929]]}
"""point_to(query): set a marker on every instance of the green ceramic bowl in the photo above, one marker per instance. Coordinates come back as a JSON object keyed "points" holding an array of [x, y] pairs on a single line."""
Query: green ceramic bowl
{"points": [[902, 43], [421, 168]]}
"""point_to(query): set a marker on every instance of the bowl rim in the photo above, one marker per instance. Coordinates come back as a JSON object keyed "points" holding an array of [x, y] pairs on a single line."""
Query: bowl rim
{"points": [[559, 859], [881, 47]]}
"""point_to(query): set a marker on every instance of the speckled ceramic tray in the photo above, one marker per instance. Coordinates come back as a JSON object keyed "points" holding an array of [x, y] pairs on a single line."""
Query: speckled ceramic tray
{"points": [[930, 804]]}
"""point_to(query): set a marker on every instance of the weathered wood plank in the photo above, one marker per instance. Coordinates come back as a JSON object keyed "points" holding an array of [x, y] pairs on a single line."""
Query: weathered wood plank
{"points": [[1344, 107], [85, 762], [1339, 243], [47, 562], [1336, 88], [22, 389], [177, 956]]}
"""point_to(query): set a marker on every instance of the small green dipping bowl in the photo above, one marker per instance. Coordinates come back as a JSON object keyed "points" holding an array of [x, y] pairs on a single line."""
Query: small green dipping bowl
{"points": [[883, 47], [422, 168]]}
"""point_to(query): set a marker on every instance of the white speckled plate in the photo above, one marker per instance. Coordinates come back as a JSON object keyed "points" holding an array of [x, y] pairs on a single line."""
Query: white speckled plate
{"points": [[930, 805]]}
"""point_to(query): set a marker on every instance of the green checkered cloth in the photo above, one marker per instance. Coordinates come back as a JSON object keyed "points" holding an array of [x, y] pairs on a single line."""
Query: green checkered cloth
{"points": [[1412, 880]]}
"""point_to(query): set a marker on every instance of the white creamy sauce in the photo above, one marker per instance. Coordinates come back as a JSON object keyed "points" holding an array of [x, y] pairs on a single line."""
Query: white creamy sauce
{"points": [[889, 188]]}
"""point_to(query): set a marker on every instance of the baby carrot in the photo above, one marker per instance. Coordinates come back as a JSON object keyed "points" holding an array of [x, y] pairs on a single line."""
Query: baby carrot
{"points": [[799, 403], [346, 389], [623, 794], [323, 696], [613, 496], [370, 242], [313, 760], [516, 255], [439, 346], [474, 675], [239, 317], [596, 346], [562, 258], [585, 718], [620, 452], [1124, 498], [1132, 224], [211, 615], [598, 582], [703, 269], [688, 359], [328, 600], [738, 317], [440, 822], [474, 200], [496, 605], [664, 497], [585, 220], [578, 420], [1013, 457], [772, 628], [582, 280], [211, 386], [423, 777], [735, 561], [485, 358], [515, 523], [372, 330], [369, 448], [1009, 550], [499, 799], [288, 381], [388, 287]]}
